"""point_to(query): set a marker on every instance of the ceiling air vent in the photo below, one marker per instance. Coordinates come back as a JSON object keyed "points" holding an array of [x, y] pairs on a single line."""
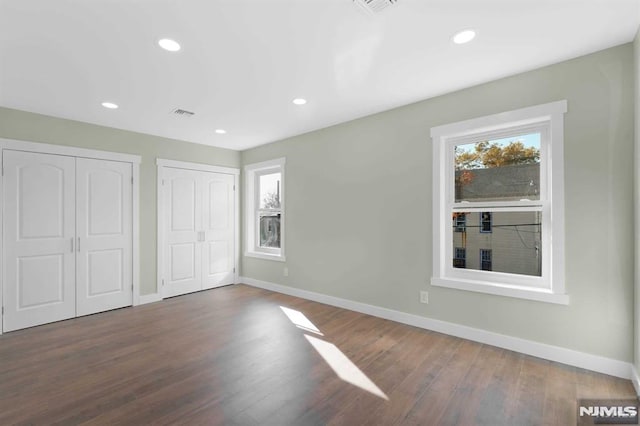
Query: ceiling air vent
{"points": [[374, 6], [182, 112]]}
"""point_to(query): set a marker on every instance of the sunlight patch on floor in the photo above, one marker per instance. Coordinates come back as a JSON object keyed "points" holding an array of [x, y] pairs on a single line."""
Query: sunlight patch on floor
{"points": [[338, 361], [343, 367], [300, 320]]}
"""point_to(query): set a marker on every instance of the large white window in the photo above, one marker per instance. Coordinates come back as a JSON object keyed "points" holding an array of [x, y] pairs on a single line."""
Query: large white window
{"points": [[264, 207], [502, 177]]}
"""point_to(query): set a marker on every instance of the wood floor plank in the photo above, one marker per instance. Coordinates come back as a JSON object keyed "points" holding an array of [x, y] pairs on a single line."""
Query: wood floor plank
{"points": [[464, 405], [560, 397], [498, 398], [231, 356], [431, 405], [428, 368], [528, 403], [391, 371]]}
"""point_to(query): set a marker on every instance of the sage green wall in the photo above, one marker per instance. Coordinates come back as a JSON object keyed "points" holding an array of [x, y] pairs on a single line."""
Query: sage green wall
{"points": [[40, 128], [359, 208]]}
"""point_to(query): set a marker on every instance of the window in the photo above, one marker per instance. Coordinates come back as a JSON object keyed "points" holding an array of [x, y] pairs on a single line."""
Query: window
{"points": [[485, 260], [485, 222], [264, 207], [269, 209], [460, 222], [460, 258], [501, 174]]}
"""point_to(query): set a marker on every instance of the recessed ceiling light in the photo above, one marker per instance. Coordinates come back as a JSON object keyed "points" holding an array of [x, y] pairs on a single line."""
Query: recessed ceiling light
{"points": [[299, 101], [464, 36], [109, 105], [168, 44], [221, 131]]}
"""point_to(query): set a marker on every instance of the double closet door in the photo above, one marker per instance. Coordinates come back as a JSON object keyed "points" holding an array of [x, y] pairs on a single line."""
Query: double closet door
{"points": [[67, 237], [199, 221]]}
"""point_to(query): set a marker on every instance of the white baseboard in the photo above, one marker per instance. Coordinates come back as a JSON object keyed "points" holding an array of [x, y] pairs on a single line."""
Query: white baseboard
{"points": [[149, 298], [584, 360], [635, 379]]}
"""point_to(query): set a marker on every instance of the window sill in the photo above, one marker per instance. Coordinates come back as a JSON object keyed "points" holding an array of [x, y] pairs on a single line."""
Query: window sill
{"points": [[537, 294], [266, 256]]}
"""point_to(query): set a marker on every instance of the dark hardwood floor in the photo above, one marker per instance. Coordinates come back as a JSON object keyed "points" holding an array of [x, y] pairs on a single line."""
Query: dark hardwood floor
{"points": [[231, 356]]}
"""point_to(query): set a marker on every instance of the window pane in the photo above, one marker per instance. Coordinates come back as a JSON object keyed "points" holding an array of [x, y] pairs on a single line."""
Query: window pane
{"points": [[270, 230], [512, 246], [485, 221], [485, 260], [270, 191], [498, 170], [459, 257], [459, 222]]}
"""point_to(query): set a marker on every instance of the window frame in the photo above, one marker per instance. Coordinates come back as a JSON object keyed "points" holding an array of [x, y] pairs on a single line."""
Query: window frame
{"points": [[253, 212], [546, 119]]}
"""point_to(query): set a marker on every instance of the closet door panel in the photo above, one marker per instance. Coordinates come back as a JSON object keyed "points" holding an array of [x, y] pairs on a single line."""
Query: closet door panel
{"points": [[39, 230], [182, 220], [218, 224], [104, 235]]}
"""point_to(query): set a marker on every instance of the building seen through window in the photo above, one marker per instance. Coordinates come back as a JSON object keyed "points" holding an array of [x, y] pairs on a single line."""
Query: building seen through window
{"points": [[490, 172]]}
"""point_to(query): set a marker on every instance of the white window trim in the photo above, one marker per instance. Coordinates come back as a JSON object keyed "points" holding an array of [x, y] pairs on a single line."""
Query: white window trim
{"points": [[548, 288], [251, 174]]}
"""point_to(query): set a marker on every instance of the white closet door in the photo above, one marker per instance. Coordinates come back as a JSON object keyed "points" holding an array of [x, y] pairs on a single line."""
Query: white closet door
{"points": [[103, 235], [218, 221], [39, 230], [183, 218]]}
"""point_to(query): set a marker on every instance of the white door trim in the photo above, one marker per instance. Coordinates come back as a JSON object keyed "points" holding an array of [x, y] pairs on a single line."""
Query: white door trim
{"points": [[73, 151], [197, 166], [162, 164]]}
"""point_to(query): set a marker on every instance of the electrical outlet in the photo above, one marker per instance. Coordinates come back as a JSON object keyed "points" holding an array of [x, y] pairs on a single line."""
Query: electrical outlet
{"points": [[424, 296], [286, 271]]}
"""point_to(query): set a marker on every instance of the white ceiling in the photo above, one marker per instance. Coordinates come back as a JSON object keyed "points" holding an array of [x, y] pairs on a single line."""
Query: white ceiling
{"points": [[243, 61]]}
